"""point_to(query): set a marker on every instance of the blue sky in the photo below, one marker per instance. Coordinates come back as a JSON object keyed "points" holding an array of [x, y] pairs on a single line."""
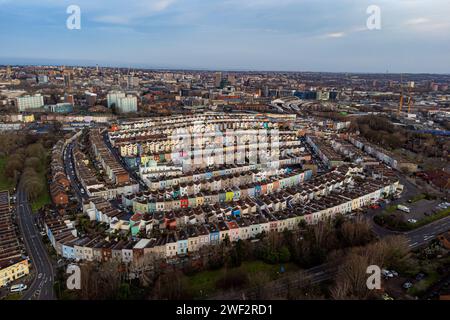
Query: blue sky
{"points": [[295, 35]]}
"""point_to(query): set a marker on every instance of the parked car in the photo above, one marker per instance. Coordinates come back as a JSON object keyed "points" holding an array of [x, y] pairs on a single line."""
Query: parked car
{"points": [[420, 276], [394, 273], [387, 273], [412, 220], [18, 287], [387, 297], [407, 285]]}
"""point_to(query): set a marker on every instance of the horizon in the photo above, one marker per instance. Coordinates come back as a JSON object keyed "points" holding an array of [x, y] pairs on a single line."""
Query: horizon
{"points": [[269, 35], [149, 68]]}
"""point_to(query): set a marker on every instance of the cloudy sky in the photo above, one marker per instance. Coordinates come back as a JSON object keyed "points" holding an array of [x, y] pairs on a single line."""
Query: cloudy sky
{"points": [[296, 35]]}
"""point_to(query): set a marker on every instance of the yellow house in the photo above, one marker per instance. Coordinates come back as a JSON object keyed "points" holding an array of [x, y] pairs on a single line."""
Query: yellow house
{"points": [[229, 196], [13, 272], [355, 204], [28, 118]]}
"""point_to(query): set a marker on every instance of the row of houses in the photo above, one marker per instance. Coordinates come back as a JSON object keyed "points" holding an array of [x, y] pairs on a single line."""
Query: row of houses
{"points": [[59, 181], [323, 149], [90, 181], [189, 238], [223, 120], [156, 144], [226, 190], [13, 263], [214, 177], [394, 161], [348, 150], [114, 170]]}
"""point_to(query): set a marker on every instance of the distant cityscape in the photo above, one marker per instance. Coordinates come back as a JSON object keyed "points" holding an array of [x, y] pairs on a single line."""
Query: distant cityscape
{"points": [[165, 175]]}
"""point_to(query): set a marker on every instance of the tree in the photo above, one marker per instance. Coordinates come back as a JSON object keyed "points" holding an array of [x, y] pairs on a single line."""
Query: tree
{"points": [[284, 255], [32, 162], [36, 150]]}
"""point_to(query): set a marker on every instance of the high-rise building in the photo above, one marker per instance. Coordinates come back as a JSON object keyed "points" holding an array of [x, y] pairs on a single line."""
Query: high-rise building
{"points": [[113, 98], [29, 102], [67, 80], [217, 79], [42, 79], [231, 79], [8, 72], [126, 104], [91, 99], [132, 82]]}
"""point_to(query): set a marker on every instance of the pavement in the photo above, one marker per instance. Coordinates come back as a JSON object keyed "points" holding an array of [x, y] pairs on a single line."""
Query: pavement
{"points": [[41, 287]]}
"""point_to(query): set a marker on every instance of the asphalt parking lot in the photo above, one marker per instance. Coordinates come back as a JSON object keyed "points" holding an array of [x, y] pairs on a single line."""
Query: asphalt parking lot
{"points": [[420, 208]]}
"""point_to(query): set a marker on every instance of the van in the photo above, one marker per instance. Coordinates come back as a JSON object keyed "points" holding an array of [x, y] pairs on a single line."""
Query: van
{"points": [[18, 287], [403, 208]]}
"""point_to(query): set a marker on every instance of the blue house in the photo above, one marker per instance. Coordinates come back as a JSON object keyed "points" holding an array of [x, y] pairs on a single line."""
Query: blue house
{"points": [[214, 234], [236, 212], [68, 252]]}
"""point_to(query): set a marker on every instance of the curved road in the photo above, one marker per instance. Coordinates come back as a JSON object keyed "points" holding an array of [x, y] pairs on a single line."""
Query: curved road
{"points": [[42, 285]]}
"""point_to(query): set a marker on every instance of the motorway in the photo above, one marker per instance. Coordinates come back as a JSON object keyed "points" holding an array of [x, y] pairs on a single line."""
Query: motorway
{"points": [[42, 285]]}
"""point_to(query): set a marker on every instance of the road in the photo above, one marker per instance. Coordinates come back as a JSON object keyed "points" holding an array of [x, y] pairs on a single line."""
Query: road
{"points": [[69, 167], [417, 237], [425, 234], [42, 285]]}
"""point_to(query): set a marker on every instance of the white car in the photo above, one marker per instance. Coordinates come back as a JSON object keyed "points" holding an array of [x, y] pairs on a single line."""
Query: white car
{"points": [[18, 287], [412, 220], [387, 273]]}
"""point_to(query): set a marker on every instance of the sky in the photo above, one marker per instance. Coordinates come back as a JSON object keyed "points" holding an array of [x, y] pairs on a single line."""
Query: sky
{"points": [[283, 35]]}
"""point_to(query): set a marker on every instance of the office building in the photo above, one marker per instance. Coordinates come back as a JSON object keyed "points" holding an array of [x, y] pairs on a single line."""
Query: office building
{"points": [[29, 102], [113, 98], [127, 104]]}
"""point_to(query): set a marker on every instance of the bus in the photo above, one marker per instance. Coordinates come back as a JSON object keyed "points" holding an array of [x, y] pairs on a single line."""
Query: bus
{"points": [[18, 287]]}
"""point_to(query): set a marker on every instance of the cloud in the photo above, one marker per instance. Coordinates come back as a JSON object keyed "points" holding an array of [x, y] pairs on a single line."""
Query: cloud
{"points": [[335, 35], [135, 10], [417, 21]]}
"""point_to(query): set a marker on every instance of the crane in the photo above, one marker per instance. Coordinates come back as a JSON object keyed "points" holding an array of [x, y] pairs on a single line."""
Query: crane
{"points": [[401, 96], [410, 100]]}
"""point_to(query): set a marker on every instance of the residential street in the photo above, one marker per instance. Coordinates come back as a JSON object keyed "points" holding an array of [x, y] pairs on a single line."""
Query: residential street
{"points": [[42, 285]]}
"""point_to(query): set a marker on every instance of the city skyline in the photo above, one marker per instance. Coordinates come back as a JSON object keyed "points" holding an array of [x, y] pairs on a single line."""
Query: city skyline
{"points": [[256, 35]]}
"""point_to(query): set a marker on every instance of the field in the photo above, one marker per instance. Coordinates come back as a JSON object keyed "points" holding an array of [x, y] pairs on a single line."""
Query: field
{"points": [[203, 284]]}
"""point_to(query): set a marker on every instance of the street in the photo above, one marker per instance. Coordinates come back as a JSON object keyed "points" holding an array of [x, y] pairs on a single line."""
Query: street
{"points": [[69, 167], [42, 286]]}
